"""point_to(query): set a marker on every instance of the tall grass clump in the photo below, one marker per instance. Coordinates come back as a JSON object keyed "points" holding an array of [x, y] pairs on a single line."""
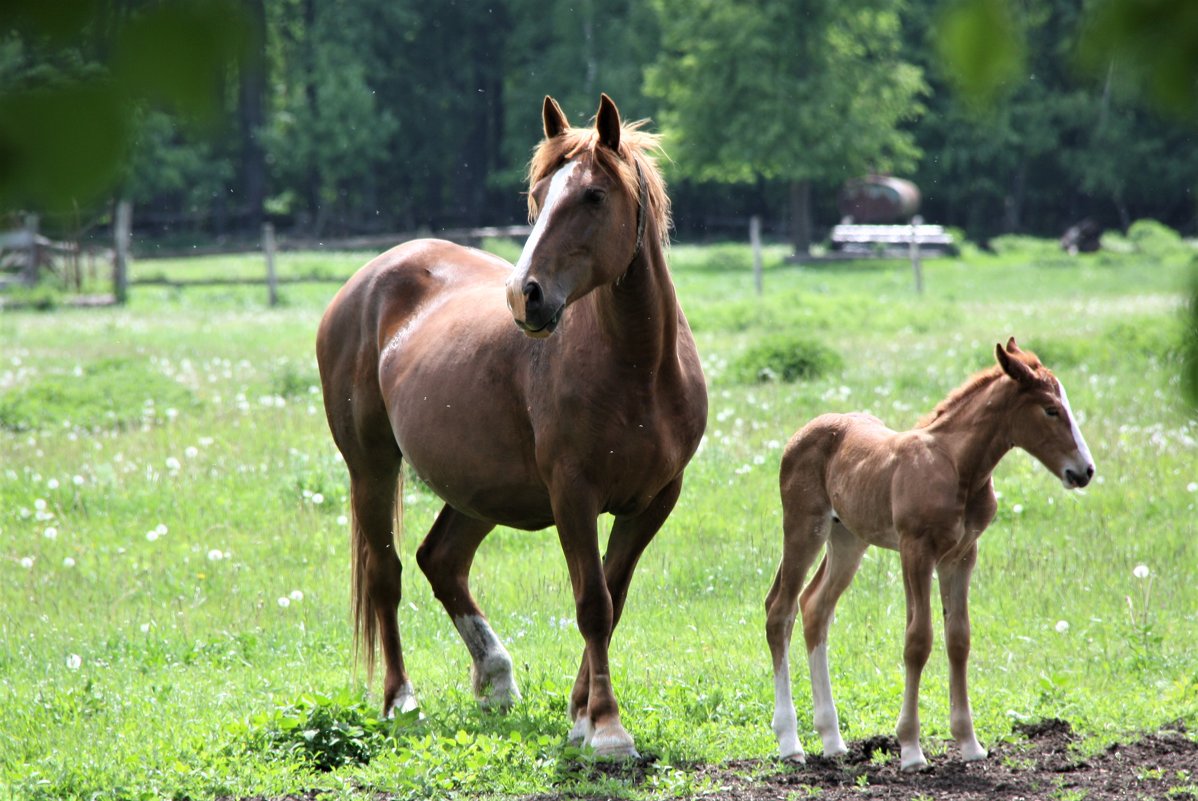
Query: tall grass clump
{"points": [[786, 357]]}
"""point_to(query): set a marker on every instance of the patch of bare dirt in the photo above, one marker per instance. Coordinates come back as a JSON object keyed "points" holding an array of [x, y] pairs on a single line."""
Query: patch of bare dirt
{"points": [[1045, 766]]}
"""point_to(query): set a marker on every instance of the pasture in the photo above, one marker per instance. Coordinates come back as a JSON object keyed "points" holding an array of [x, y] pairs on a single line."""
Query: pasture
{"points": [[174, 564]]}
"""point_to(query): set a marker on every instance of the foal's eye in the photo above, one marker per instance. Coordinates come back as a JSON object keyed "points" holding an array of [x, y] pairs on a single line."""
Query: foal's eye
{"points": [[1052, 411], [594, 195]]}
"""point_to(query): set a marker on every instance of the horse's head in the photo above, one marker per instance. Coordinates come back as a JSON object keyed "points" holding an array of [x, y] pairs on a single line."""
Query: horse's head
{"points": [[587, 194], [1043, 423]]}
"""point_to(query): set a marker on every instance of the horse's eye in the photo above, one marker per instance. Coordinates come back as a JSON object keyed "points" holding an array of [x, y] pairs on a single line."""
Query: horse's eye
{"points": [[594, 195], [1052, 411]]}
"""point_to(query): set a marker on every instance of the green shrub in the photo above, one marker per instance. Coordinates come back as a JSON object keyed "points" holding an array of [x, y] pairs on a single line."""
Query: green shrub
{"points": [[785, 358], [1156, 239]]}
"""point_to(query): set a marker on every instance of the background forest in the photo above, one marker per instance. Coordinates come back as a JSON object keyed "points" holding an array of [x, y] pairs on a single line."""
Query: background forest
{"points": [[333, 117]]}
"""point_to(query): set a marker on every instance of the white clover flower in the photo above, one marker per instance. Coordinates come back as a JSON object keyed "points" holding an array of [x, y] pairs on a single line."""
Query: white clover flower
{"points": [[50, 533], [74, 662], [1141, 571], [1062, 626], [284, 602], [297, 596]]}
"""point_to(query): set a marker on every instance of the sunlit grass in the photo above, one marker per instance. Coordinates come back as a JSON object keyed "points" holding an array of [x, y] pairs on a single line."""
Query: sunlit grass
{"points": [[169, 575]]}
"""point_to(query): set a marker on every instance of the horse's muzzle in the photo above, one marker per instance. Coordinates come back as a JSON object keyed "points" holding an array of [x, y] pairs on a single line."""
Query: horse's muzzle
{"points": [[533, 313], [1076, 479]]}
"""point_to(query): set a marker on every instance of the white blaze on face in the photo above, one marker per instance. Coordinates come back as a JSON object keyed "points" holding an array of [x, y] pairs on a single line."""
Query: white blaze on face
{"points": [[557, 186], [1083, 452]]}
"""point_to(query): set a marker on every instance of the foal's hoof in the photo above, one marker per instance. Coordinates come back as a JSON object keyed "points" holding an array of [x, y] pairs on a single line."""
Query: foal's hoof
{"points": [[972, 752]]}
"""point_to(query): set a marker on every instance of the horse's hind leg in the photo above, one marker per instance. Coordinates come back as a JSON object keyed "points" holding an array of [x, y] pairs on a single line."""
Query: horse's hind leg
{"points": [[445, 557], [818, 603], [630, 535], [805, 522], [378, 576]]}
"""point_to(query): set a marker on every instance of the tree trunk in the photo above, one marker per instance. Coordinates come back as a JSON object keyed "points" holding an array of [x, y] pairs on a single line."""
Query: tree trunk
{"points": [[800, 217], [252, 116]]}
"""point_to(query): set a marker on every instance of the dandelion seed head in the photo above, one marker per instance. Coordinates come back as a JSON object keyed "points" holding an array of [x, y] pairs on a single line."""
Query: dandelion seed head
{"points": [[27, 562], [68, 562], [1141, 571], [297, 595], [52, 484], [284, 602], [50, 533], [74, 662], [317, 498], [215, 555], [1062, 626]]}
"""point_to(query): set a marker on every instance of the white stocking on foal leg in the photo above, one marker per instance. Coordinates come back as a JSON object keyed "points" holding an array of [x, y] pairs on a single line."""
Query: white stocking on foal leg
{"points": [[954, 593], [827, 723]]}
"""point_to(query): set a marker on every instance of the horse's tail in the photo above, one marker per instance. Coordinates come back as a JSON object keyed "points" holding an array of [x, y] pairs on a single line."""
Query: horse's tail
{"points": [[366, 622]]}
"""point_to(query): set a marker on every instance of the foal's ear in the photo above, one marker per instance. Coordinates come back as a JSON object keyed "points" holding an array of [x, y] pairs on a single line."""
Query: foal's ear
{"points": [[607, 123], [1012, 366], [1012, 347], [553, 117]]}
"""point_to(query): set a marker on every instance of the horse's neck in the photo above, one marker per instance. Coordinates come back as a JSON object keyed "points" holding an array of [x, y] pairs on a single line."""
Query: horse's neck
{"points": [[974, 432], [638, 314]]}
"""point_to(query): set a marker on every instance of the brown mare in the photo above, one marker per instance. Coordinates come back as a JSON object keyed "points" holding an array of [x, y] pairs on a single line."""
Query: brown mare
{"points": [[541, 394], [849, 482]]}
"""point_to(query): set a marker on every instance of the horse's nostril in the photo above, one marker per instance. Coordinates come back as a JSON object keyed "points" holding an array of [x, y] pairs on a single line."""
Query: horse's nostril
{"points": [[1090, 471], [533, 297]]}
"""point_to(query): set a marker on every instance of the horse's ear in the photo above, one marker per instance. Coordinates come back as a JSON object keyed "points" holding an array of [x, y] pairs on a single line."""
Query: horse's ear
{"points": [[607, 123], [1012, 366], [553, 117], [1012, 347]]}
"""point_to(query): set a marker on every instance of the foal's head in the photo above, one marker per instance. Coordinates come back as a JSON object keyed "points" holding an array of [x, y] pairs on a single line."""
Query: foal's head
{"points": [[1042, 422], [597, 199]]}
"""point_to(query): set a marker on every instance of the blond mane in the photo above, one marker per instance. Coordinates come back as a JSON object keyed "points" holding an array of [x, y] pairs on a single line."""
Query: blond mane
{"points": [[636, 147], [979, 381]]}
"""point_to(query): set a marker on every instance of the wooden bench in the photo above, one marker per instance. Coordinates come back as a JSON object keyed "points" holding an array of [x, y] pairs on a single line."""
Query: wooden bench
{"points": [[891, 240]]}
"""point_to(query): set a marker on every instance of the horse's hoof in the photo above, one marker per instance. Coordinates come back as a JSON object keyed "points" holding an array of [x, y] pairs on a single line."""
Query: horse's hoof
{"points": [[973, 752], [834, 748], [796, 758], [579, 732], [612, 742], [914, 765]]}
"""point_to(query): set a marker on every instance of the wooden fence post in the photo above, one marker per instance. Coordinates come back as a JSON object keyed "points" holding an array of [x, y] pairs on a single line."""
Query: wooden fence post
{"points": [[916, 265], [122, 228], [755, 242], [268, 247], [29, 274]]}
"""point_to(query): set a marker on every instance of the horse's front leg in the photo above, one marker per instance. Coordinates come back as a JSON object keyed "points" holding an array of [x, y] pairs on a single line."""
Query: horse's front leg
{"points": [[954, 594], [600, 722], [918, 563], [630, 535]]}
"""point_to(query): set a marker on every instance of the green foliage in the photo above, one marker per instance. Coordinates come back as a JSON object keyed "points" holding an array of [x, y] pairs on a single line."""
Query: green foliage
{"points": [[111, 393], [1156, 239], [752, 90], [327, 732], [786, 358], [982, 46]]}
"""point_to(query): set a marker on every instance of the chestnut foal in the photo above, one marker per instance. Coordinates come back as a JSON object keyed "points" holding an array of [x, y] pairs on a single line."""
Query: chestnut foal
{"points": [[849, 482]]}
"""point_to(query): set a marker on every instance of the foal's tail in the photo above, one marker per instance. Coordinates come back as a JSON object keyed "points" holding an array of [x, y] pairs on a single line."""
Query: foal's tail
{"points": [[366, 621]]}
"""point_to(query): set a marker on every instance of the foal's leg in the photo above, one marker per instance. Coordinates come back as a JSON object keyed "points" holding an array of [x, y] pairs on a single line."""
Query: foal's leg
{"points": [[954, 594], [918, 563], [378, 574], [445, 557], [804, 532], [630, 535], [818, 603]]}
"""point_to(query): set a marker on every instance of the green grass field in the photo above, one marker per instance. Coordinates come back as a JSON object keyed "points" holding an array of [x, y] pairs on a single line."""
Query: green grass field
{"points": [[174, 567]]}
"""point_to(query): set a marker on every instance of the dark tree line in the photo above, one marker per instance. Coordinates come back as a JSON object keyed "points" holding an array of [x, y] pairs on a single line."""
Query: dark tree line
{"points": [[339, 116]]}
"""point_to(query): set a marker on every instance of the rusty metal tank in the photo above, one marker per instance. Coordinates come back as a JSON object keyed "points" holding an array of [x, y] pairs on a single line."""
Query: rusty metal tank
{"points": [[878, 199]]}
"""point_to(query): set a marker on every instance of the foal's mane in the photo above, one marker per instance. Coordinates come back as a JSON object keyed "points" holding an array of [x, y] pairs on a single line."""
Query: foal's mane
{"points": [[637, 147], [979, 381]]}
